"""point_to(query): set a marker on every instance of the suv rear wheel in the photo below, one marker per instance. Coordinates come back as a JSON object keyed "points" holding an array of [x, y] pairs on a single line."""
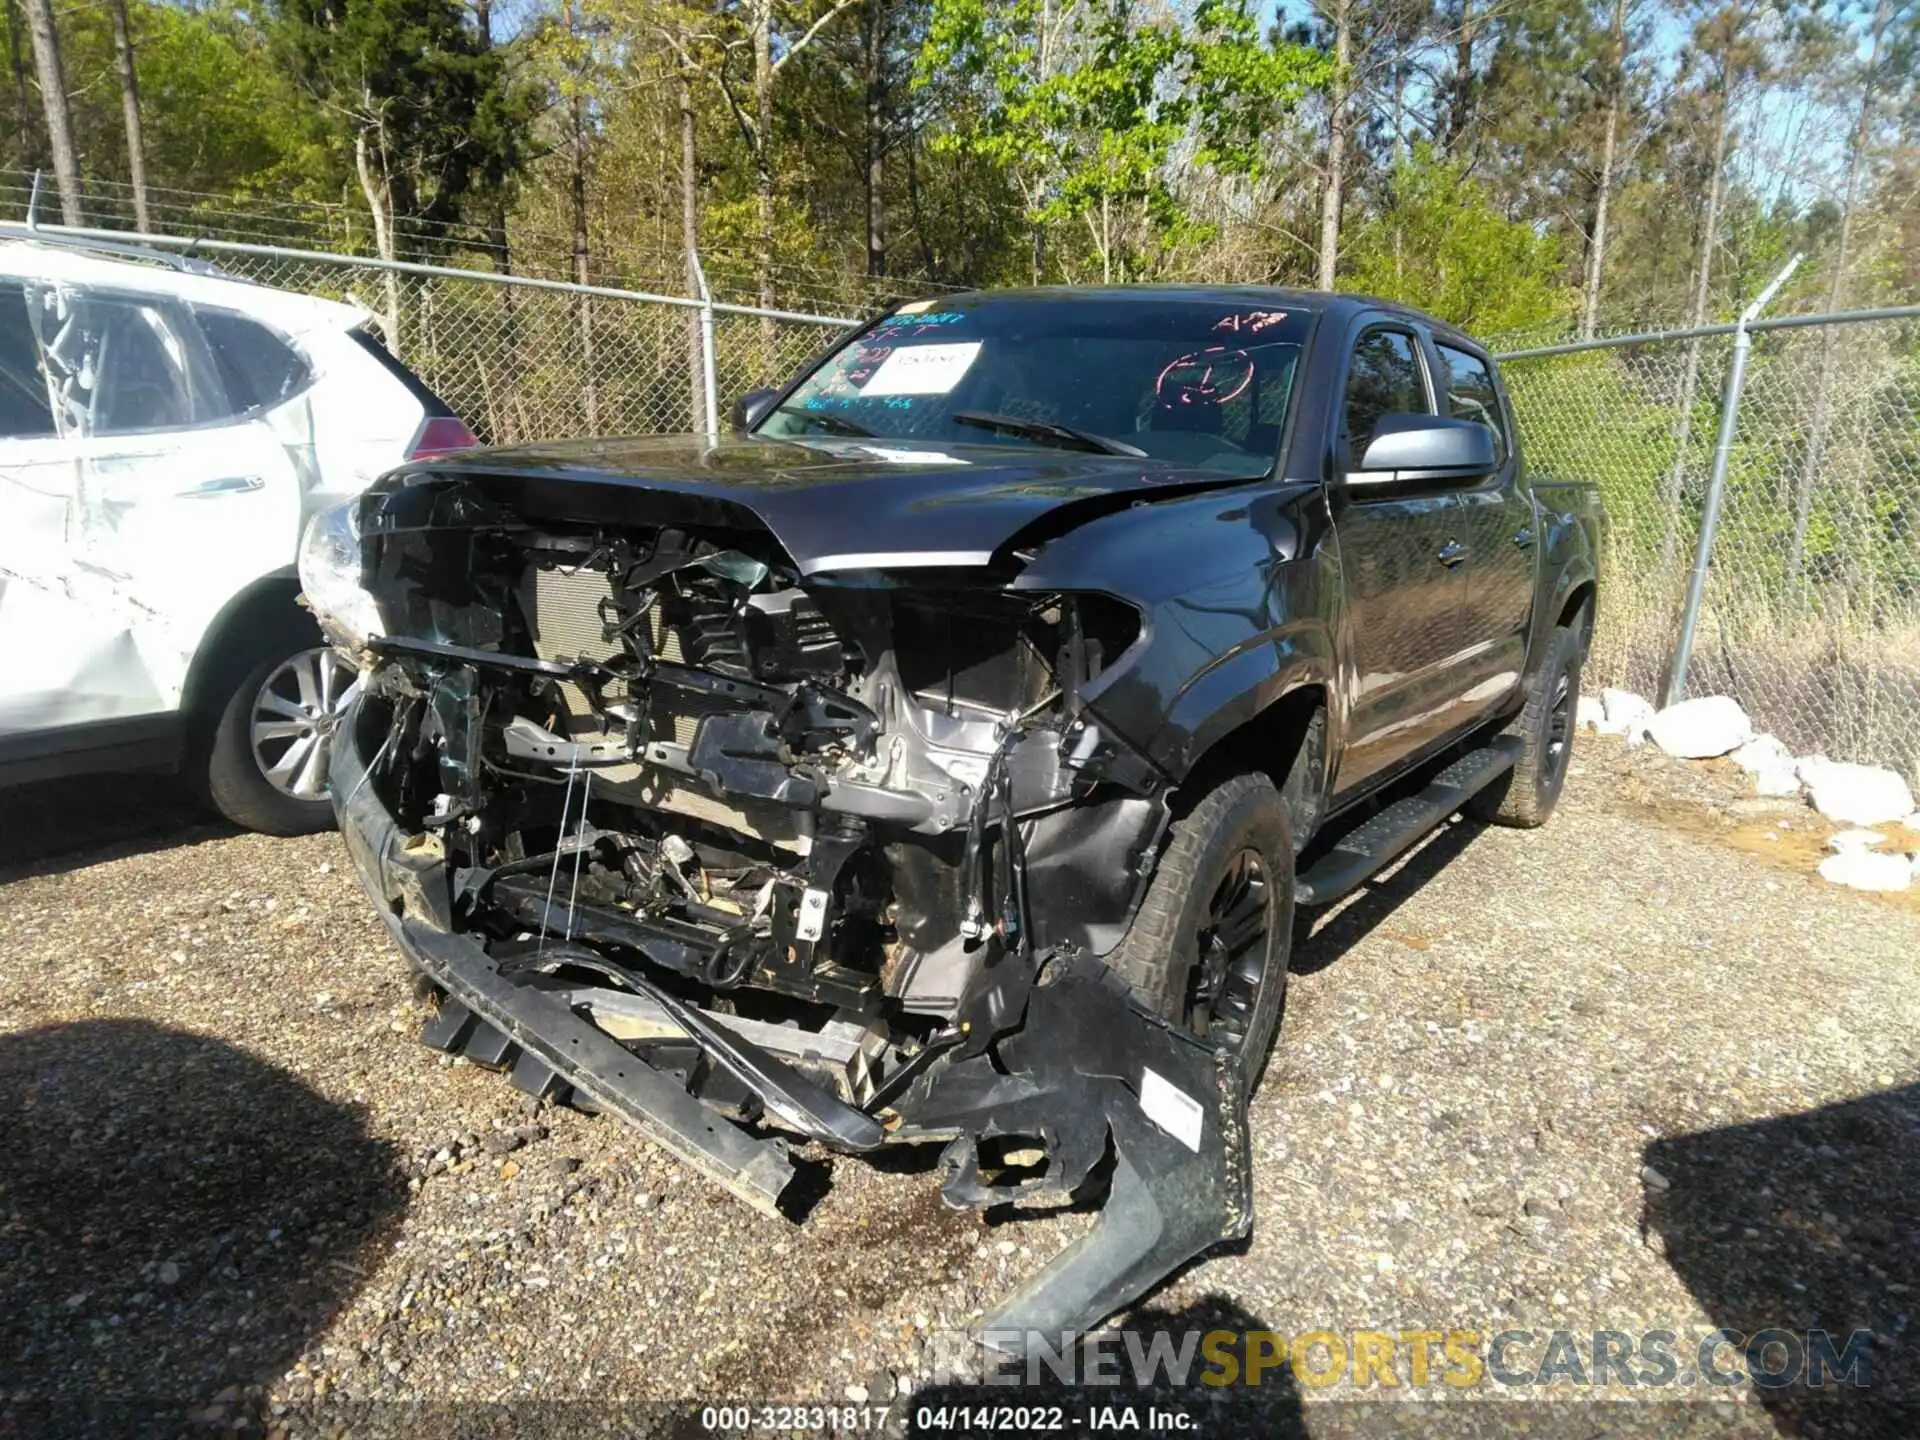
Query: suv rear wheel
{"points": [[1210, 947], [267, 765]]}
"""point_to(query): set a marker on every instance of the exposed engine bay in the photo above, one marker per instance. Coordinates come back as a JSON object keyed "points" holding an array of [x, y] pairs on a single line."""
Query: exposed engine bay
{"points": [[817, 850]]}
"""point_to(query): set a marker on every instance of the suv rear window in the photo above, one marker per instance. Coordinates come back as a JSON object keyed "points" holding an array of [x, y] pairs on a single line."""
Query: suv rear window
{"points": [[417, 387], [258, 368]]}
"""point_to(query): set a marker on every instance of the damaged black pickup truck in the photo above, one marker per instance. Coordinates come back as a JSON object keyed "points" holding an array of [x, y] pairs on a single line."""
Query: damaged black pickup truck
{"points": [[941, 757]]}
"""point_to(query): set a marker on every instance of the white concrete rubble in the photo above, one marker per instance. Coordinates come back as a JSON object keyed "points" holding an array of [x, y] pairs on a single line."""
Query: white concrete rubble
{"points": [[1702, 728], [1868, 870], [1855, 794], [1626, 714], [1854, 840], [1761, 753]]}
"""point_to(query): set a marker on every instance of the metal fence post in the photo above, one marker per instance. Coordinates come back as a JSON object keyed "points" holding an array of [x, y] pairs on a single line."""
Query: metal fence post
{"points": [[707, 378], [1717, 484]]}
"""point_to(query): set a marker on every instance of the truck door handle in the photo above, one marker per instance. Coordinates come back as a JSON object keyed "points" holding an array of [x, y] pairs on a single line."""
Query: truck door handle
{"points": [[1451, 554], [1525, 538]]}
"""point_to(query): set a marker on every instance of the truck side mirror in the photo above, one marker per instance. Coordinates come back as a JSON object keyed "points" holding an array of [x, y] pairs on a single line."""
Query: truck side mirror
{"points": [[1425, 447], [751, 407]]}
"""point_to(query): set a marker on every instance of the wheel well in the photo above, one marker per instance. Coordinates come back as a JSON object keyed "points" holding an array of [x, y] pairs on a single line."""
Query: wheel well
{"points": [[1577, 613], [265, 614], [1269, 744]]}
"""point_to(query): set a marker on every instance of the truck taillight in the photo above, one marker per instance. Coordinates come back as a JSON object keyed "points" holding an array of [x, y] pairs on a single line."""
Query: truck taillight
{"points": [[441, 435]]}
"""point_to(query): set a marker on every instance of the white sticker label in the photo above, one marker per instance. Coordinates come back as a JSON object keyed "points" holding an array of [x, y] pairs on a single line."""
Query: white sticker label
{"points": [[1172, 1109], [922, 369], [909, 457]]}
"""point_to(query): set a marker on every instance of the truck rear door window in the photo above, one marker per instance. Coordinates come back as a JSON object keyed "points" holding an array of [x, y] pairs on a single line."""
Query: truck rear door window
{"points": [[1471, 394]]}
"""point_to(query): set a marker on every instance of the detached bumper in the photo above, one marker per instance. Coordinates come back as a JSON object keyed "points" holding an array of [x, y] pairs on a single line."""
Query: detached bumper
{"points": [[408, 884]]}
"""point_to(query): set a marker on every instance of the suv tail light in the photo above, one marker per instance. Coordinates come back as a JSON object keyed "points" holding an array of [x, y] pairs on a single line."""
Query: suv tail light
{"points": [[441, 435]]}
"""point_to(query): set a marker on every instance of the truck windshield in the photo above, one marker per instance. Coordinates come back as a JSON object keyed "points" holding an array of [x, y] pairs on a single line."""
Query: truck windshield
{"points": [[1199, 383]]}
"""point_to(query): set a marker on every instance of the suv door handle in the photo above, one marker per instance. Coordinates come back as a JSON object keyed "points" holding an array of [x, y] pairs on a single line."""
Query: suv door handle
{"points": [[1525, 538], [225, 485], [1451, 554]]}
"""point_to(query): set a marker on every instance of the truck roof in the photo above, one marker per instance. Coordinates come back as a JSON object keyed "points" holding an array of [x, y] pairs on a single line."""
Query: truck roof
{"points": [[1312, 302]]}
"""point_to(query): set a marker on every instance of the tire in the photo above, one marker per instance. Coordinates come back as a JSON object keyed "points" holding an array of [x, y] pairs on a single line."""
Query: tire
{"points": [[265, 719], [1525, 796], [1235, 839]]}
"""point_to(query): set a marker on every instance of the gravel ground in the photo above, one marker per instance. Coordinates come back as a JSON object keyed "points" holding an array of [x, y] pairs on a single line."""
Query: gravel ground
{"points": [[1636, 1071]]}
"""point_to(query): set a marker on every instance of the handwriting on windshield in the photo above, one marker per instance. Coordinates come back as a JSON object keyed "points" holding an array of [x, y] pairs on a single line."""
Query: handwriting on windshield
{"points": [[1212, 376], [1250, 322]]}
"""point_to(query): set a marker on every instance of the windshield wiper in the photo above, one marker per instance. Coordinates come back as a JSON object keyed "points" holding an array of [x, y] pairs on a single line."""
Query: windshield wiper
{"points": [[827, 421], [1064, 437]]}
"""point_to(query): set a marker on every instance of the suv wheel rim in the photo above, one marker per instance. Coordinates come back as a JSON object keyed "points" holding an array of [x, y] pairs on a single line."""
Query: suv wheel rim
{"points": [[1232, 953], [295, 713]]}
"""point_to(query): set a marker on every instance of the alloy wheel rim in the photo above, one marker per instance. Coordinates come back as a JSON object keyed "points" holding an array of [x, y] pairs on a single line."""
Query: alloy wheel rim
{"points": [[295, 714], [1232, 955]]}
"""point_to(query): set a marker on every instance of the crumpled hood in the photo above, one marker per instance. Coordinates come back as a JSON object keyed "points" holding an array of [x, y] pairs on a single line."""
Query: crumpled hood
{"points": [[840, 504]]}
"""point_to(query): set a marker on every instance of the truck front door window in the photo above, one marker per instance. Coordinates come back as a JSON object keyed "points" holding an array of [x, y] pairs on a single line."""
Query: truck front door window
{"points": [[1384, 379]]}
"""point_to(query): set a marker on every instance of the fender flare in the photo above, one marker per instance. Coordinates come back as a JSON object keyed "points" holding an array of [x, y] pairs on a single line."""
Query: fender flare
{"points": [[1574, 573], [1240, 686]]}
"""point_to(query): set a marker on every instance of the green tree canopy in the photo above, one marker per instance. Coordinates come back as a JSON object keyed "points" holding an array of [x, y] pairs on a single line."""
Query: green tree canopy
{"points": [[1439, 244]]}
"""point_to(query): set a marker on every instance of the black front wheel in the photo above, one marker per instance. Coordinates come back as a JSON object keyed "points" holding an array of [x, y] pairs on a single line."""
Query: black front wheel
{"points": [[1210, 946]]}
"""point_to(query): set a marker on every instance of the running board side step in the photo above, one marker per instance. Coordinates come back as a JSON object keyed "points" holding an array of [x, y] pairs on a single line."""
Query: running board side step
{"points": [[1378, 841]]}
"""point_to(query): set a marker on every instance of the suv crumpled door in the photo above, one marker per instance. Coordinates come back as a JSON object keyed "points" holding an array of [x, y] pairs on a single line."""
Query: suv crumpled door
{"points": [[142, 507]]}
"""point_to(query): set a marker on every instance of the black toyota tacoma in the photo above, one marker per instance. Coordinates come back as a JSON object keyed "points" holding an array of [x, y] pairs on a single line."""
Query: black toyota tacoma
{"points": [[942, 756]]}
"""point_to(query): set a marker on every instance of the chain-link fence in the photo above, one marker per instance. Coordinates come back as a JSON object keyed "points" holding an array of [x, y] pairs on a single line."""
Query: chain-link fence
{"points": [[523, 358], [543, 360], [1811, 611]]}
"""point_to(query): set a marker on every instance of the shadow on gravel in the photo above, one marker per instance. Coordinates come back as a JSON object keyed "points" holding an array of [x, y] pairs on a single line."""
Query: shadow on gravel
{"points": [[177, 1220], [1332, 938], [1807, 1222], [1079, 1407], [53, 824]]}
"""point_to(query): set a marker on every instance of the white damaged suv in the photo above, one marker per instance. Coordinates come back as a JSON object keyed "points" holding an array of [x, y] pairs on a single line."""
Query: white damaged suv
{"points": [[165, 433]]}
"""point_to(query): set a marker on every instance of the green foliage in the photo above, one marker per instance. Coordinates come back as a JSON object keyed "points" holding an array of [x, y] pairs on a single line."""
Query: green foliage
{"points": [[1093, 117], [410, 84], [217, 115], [1438, 244]]}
